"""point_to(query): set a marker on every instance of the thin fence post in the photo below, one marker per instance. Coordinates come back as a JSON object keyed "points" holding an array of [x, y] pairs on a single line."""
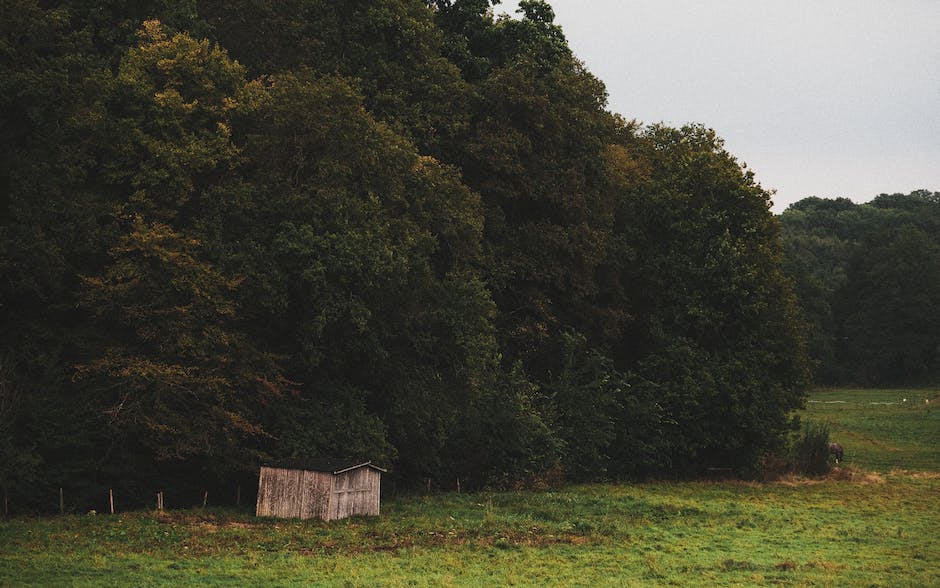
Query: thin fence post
{"points": [[61, 502], [458, 485], [205, 498], [111, 499]]}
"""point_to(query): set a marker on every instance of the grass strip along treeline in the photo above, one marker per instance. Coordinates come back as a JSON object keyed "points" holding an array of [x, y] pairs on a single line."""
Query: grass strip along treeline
{"points": [[856, 527], [872, 531]]}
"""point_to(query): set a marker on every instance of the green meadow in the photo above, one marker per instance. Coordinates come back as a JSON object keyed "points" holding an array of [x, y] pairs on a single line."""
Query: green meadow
{"points": [[882, 430], [873, 523]]}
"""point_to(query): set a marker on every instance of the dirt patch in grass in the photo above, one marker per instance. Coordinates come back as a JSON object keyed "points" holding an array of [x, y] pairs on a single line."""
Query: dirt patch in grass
{"points": [[838, 474], [824, 565], [795, 480], [206, 521], [916, 475], [858, 476]]}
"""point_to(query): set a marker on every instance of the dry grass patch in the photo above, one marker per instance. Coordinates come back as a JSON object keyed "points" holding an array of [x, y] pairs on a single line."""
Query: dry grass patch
{"points": [[855, 475], [916, 475], [838, 474]]}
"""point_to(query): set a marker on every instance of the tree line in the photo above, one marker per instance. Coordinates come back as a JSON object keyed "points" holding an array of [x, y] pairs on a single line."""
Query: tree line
{"points": [[868, 281], [233, 232]]}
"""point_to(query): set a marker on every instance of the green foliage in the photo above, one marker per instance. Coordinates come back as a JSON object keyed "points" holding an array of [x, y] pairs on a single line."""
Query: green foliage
{"points": [[891, 296], [810, 449], [390, 48], [584, 395], [867, 273], [504, 439], [403, 230], [171, 372], [327, 422], [370, 252], [50, 109], [535, 156], [717, 334]]}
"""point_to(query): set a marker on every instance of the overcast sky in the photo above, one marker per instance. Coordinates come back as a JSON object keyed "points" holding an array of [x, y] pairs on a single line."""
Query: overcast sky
{"points": [[819, 97]]}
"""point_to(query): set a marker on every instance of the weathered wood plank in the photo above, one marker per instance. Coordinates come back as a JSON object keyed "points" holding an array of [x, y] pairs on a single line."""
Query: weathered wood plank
{"points": [[294, 493]]}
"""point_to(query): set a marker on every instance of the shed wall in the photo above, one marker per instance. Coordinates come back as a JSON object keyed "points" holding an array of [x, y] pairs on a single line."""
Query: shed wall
{"points": [[317, 487], [289, 493], [356, 492]]}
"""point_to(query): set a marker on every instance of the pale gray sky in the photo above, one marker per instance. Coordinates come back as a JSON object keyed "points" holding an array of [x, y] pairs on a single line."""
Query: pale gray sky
{"points": [[819, 97]]}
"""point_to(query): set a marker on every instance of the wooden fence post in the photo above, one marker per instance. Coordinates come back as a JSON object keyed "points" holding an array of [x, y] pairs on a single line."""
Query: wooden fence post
{"points": [[61, 502], [205, 498], [111, 499]]}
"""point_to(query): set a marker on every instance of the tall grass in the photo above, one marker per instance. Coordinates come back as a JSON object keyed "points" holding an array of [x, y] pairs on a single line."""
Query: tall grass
{"points": [[810, 450]]}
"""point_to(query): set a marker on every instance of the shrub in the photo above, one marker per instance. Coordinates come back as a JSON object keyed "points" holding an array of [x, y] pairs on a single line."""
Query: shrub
{"points": [[810, 450]]}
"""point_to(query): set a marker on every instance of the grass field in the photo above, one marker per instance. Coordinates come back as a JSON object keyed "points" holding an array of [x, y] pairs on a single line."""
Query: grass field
{"points": [[859, 528], [882, 430]]}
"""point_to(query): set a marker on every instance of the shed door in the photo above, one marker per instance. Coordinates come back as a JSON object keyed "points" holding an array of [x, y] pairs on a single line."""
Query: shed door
{"points": [[355, 493]]}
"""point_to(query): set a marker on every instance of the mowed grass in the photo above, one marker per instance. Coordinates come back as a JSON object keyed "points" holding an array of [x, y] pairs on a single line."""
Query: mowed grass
{"points": [[882, 430], [857, 528]]}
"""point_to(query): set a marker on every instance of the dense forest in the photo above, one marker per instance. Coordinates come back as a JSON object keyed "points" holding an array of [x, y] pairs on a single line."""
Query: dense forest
{"points": [[868, 281], [234, 232]]}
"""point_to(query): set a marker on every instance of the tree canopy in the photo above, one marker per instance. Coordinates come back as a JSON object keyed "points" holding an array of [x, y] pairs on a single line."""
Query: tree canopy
{"points": [[408, 231], [867, 279]]}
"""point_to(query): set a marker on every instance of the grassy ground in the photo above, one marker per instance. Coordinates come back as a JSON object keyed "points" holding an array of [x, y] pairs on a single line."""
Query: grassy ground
{"points": [[882, 430], [856, 529]]}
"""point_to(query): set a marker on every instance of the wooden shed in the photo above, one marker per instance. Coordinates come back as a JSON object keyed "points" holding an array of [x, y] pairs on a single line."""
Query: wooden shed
{"points": [[328, 489]]}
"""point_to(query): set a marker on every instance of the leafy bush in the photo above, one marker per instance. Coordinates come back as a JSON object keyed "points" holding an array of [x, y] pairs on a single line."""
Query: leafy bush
{"points": [[810, 450]]}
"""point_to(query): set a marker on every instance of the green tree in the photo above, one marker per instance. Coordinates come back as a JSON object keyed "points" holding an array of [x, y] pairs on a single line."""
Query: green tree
{"points": [[391, 49], [819, 238], [417, 235], [829, 244], [717, 339], [536, 157], [174, 377], [367, 256], [583, 398], [888, 309], [50, 115]]}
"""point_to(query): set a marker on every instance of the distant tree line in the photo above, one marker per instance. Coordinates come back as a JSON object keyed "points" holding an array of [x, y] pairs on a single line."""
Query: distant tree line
{"points": [[868, 280], [238, 231]]}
